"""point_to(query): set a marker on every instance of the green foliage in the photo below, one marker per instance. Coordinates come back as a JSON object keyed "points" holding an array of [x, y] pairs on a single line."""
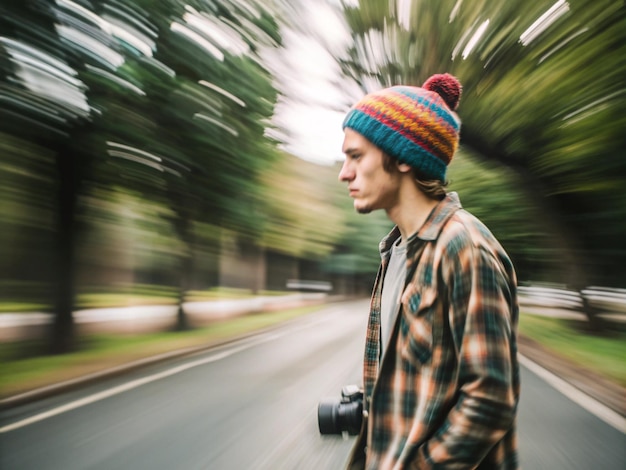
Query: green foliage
{"points": [[129, 154], [301, 219], [129, 125], [545, 100], [145, 118], [492, 194]]}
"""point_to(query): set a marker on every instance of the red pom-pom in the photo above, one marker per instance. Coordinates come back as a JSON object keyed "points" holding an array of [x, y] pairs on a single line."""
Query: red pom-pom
{"points": [[446, 86]]}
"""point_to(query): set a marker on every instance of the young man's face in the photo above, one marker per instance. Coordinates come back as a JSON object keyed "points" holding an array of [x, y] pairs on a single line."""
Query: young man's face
{"points": [[369, 184]]}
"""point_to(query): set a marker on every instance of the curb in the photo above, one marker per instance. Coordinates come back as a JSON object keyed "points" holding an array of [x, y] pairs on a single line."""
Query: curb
{"points": [[78, 382]]}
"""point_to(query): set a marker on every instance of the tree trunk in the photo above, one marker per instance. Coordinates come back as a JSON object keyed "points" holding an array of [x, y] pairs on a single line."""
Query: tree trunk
{"points": [[62, 339], [183, 224]]}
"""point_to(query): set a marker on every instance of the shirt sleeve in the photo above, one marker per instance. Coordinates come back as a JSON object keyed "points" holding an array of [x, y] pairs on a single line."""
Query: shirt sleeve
{"points": [[483, 318]]}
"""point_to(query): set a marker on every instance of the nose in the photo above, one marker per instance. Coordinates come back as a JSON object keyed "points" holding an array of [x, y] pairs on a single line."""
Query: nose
{"points": [[346, 173]]}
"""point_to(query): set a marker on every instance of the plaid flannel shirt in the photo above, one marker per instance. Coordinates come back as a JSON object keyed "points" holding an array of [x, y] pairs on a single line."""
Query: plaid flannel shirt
{"points": [[445, 394]]}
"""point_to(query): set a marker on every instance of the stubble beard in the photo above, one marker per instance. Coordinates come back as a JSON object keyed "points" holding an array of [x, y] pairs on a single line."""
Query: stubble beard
{"points": [[366, 207]]}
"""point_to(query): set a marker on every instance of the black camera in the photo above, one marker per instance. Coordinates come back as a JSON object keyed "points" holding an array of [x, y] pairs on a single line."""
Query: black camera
{"points": [[336, 416]]}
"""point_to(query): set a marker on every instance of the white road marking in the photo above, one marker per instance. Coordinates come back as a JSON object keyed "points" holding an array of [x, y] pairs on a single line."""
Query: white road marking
{"points": [[138, 383], [119, 389], [596, 408], [161, 375]]}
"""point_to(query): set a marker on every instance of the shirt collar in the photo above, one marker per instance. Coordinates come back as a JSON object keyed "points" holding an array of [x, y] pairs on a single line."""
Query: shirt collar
{"points": [[438, 217], [431, 228], [387, 243]]}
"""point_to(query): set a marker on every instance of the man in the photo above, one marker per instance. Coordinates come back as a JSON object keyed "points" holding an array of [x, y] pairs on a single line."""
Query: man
{"points": [[441, 378]]}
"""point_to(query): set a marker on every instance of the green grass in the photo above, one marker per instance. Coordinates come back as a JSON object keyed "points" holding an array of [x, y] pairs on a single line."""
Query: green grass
{"points": [[104, 300], [17, 307], [217, 293], [604, 353], [126, 295], [25, 367]]}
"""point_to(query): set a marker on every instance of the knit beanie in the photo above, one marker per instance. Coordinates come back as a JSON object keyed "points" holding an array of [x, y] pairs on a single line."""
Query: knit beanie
{"points": [[417, 126]]}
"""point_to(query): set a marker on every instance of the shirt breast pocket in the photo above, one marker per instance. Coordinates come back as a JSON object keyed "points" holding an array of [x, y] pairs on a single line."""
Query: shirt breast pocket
{"points": [[416, 326]]}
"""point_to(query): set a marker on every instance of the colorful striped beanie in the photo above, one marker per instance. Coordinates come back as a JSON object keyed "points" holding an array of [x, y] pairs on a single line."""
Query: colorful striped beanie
{"points": [[417, 126]]}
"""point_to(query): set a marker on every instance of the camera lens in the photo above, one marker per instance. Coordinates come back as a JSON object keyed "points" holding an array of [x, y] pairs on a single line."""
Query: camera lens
{"points": [[327, 417], [336, 417]]}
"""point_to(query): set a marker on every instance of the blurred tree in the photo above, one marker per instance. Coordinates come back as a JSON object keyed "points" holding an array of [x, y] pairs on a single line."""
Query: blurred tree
{"points": [[45, 107], [300, 218], [543, 95], [216, 115], [165, 102], [518, 227]]}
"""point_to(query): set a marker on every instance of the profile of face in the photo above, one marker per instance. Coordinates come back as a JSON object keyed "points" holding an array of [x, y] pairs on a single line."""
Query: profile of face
{"points": [[369, 184]]}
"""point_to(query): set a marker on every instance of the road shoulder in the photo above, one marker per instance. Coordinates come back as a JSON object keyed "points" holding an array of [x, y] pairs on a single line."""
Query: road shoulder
{"points": [[596, 386]]}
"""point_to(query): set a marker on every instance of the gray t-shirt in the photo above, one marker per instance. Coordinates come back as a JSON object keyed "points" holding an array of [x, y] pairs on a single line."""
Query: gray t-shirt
{"points": [[392, 290]]}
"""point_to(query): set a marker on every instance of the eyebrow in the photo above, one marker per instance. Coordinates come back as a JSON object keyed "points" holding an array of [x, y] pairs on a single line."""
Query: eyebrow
{"points": [[350, 150]]}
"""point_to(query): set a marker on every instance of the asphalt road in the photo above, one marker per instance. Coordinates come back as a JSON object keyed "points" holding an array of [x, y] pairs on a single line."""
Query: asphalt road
{"points": [[252, 404]]}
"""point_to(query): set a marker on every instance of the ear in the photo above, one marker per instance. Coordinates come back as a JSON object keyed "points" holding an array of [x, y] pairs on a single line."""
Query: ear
{"points": [[403, 167]]}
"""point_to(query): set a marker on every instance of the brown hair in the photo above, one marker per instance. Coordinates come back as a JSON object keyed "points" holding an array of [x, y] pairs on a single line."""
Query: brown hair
{"points": [[434, 189]]}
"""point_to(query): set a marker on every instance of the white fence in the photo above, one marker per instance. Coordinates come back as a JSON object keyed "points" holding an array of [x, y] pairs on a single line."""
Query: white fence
{"points": [[141, 319], [602, 299]]}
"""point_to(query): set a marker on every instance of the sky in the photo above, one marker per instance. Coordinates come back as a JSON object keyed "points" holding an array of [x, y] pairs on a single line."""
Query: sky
{"points": [[312, 107]]}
